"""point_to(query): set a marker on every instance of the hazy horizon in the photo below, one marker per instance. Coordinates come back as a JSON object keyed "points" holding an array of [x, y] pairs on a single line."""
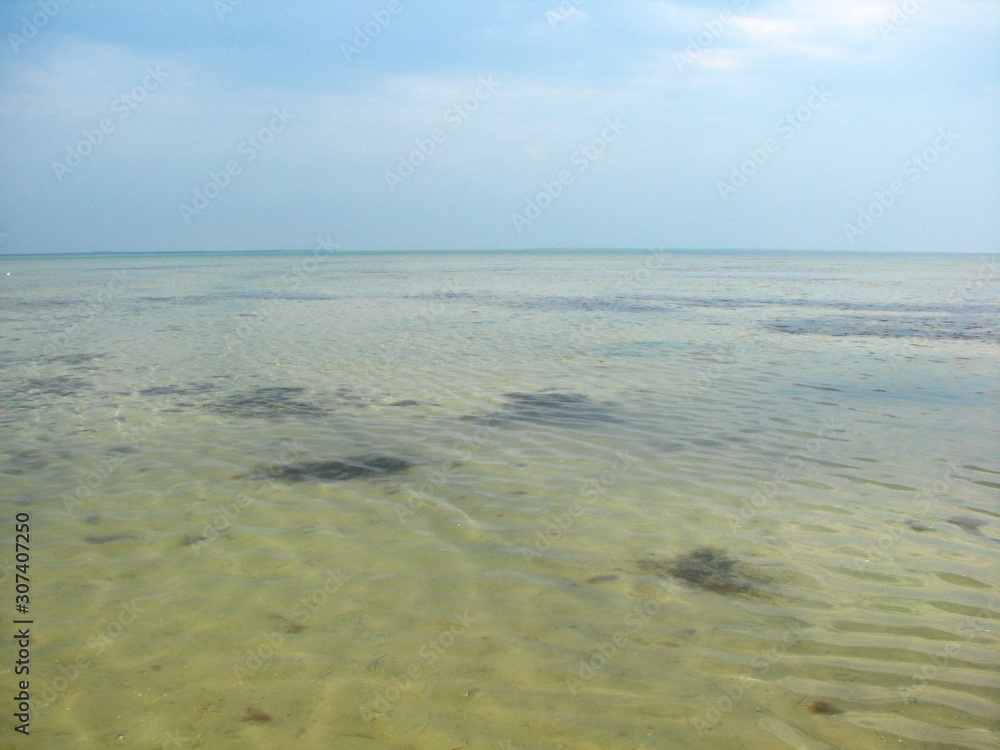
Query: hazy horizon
{"points": [[529, 250]]}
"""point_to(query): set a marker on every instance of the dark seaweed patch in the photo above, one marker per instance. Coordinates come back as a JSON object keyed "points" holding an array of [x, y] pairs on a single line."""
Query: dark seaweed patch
{"points": [[256, 715], [333, 470], [60, 385], [24, 461], [708, 568], [71, 359], [44, 303], [553, 407], [823, 707], [638, 349], [110, 538], [290, 297], [968, 524], [446, 295], [189, 389], [206, 299], [842, 305], [270, 402], [189, 299], [887, 327], [602, 579], [292, 627], [586, 303]]}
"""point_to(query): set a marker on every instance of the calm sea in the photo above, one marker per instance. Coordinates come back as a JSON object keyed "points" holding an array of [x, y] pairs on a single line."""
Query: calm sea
{"points": [[504, 501]]}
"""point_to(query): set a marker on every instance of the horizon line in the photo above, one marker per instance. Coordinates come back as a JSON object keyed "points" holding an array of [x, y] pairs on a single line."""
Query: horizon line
{"points": [[332, 250]]}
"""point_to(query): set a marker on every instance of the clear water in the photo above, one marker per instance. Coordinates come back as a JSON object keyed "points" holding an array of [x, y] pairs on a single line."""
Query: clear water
{"points": [[570, 424]]}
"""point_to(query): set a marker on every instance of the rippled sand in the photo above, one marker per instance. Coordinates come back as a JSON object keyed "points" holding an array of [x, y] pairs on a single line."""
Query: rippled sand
{"points": [[390, 501]]}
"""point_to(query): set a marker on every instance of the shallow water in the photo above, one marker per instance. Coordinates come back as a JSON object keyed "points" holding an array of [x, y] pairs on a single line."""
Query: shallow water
{"points": [[434, 501]]}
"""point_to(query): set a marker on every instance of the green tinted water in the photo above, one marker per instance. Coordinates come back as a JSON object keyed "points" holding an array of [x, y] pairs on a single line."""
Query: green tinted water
{"points": [[543, 434]]}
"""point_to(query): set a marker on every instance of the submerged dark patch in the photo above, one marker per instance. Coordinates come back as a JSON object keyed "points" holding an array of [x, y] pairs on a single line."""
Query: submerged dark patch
{"points": [[71, 359], [204, 299], [266, 296], [110, 538], [269, 402], [968, 524], [709, 568], [823, 707], [333, 470], [586, 303], [24, 461], [61, 385], [256, 715], [603, 578], [818, 304], [188, 299], [553, 407], [887, 327], [189, 389], [43, 303]]}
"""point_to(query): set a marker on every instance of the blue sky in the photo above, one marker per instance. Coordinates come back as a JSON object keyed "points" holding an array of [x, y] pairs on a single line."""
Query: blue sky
{"points": [[398, 124]]}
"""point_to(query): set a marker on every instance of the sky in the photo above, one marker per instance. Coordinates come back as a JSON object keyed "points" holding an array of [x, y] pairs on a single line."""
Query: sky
{"points": [[207, 125]]}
